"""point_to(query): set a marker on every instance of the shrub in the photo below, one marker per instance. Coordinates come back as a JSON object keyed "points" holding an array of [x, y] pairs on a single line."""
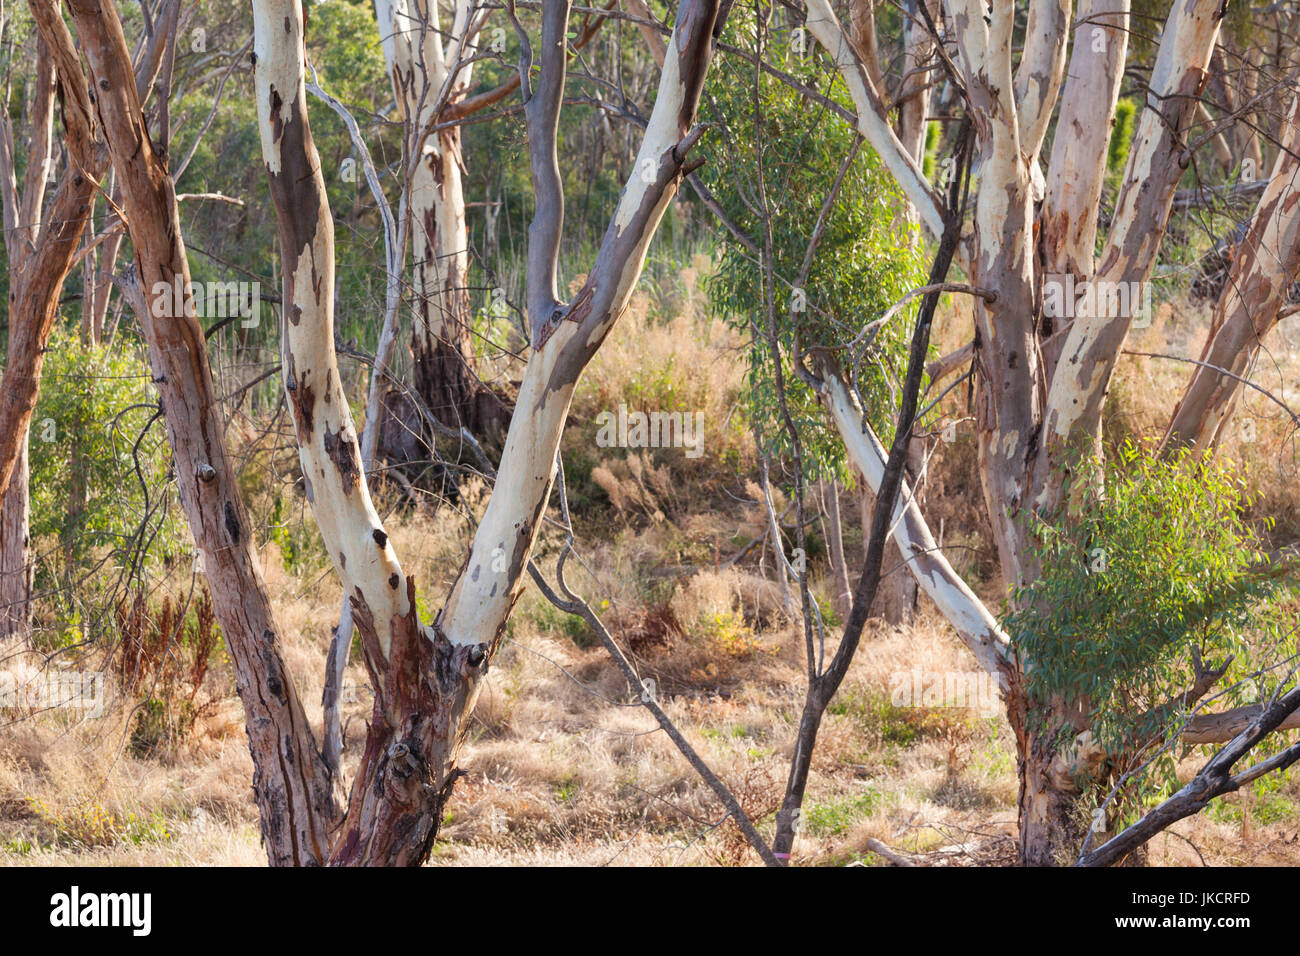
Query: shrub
{"points": [[163, 659], [1154, 566], [99, 464]]}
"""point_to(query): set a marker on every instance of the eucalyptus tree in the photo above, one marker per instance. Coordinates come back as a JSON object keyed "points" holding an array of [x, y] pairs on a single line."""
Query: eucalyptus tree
{"points": [[426, 676], [1042, 374], [41, 238], [431, 66], [779, 161]]}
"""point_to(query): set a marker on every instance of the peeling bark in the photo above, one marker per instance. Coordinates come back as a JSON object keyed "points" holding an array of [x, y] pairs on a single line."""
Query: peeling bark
{"points": [[1040, 71], [1265, 267], [1155, 164], [1077, 169], [430, 81], [291, 784]]}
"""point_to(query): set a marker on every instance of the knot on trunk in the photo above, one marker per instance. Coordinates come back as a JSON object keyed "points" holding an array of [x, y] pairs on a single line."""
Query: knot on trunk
{"points": [[404, 775]]}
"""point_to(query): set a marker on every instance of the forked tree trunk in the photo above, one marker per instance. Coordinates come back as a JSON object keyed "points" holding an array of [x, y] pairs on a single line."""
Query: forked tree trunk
{"points": [[1041, 389], [426, 678]]}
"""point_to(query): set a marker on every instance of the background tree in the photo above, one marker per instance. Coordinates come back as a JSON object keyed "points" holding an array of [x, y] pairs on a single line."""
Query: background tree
{"points": [[1042, 383]]}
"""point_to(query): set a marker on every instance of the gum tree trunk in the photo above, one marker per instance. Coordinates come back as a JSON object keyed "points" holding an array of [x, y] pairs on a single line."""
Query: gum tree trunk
{"points": [[291, 784], [426, 677], [15, 557], [1041, 388], [431, 76], [41, 242], [1265, 267]]}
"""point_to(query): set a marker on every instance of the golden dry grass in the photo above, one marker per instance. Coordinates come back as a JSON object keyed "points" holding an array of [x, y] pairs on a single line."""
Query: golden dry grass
{"points": [[562, 766]]}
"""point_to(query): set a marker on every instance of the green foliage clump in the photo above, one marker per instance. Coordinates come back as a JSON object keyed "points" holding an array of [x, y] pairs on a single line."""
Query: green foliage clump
{"points": [[868, 256], [1155, 564], [99, 463], [551, 620], [836, 816], [930, 159], [1121, 135]]}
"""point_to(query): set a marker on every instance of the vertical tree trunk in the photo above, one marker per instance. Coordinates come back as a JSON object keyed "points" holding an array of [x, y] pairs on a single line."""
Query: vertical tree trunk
{"points": [[862, 31], [1053, 819], [107, 263], [442, 343], [15, 557], [40, 243], [841, 594], [914, 90], [1052, 805], [422, 59]]}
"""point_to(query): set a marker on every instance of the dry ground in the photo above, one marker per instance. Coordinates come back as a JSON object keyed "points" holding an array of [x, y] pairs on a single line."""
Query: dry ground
{"points": [[562, 766]]}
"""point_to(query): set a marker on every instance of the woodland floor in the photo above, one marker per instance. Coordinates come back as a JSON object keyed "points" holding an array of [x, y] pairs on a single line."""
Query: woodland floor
{"points": [[562, 766]]}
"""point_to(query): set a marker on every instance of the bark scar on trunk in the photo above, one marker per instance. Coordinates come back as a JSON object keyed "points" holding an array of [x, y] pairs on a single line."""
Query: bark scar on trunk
{"points": [[342, 450]]}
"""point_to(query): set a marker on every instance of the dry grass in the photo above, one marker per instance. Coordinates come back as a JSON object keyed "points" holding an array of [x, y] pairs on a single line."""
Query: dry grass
{"points": [[562, 766]]}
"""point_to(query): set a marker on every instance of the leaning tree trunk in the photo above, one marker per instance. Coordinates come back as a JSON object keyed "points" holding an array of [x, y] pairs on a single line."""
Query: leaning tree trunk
{"points": [[1265, 267], [291, 784]]}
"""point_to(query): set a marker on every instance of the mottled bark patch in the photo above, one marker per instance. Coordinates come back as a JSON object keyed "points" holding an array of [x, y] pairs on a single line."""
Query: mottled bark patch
{"points": [[408, 766], [302, 399], [342, 450], [232, 522]]}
